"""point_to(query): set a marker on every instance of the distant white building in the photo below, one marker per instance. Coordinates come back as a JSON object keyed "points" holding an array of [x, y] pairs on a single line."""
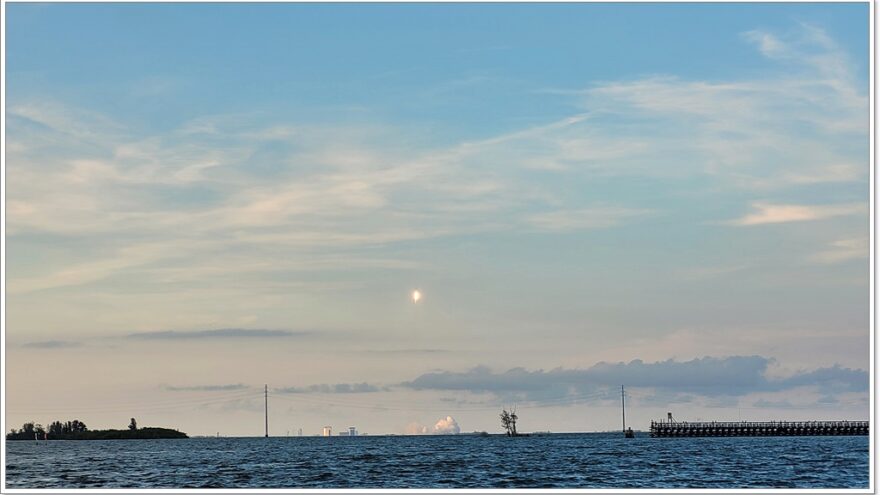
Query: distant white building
{"points": [[328, 431], [352, 431]]}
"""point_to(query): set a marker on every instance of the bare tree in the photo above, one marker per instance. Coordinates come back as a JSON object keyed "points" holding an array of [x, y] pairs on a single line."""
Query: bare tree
{"points": [[513, 418], [505, 421], [508, 421]]}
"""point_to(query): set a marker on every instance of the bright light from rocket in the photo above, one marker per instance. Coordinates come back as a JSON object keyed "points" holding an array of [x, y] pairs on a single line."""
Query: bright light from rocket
{"points": [[416, 296]]}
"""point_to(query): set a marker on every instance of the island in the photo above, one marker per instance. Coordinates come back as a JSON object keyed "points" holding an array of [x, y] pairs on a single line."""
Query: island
{"points": [[77, 430]]}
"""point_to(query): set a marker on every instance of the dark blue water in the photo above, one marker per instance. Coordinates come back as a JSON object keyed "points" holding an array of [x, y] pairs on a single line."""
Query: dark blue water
{"points": [[552, 461]]}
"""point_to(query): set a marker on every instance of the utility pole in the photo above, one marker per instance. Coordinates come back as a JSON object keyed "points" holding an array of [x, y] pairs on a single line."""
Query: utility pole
{"points": [[623, 408], [266, 396]]}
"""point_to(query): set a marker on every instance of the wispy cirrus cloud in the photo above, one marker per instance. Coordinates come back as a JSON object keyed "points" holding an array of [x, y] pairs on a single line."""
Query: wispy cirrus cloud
{"points": [[52, 344], [220, 194], [583, 219], [769, 44], [206, 388], [406, 351], [336, 388], [767, 213], [805, 45], [843, 250], [222, 333]]}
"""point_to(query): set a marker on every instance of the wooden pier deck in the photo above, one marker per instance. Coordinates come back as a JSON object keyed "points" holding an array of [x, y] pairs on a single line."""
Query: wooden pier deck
{"points": [[758, 429]]}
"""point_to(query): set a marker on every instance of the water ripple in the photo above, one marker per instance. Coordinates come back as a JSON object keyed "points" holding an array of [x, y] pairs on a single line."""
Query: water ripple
{"points": [[551, 461]]}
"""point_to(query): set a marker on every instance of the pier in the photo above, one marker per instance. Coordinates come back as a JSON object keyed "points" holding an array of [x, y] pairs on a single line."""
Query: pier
{"points": [[757, 429]]}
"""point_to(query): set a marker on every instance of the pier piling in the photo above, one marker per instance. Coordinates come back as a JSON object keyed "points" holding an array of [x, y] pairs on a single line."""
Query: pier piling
{"points": [[758, 429]]}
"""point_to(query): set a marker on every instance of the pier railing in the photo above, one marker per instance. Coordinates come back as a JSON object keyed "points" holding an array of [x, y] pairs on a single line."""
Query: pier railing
{"points": [[756, 429]]}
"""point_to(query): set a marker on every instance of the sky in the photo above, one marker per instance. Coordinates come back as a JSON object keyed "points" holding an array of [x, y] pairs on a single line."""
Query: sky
{"points": [[206, 199]]}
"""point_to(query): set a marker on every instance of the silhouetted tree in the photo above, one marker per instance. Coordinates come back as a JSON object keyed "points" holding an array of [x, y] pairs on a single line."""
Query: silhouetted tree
{"points": [[77, 430], [56, 428], [505, 421], [26, 432], [508, 421], [513, 418]]}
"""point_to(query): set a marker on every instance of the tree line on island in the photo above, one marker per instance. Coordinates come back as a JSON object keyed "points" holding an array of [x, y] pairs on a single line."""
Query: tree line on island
{"points": [[77, 430]]}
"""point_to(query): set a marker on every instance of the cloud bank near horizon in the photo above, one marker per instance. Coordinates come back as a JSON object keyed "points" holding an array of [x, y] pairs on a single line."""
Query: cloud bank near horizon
{"points": [[206, 388], [221, 333], [712, 378], [707, 377], [52, 344], [337, 388]]}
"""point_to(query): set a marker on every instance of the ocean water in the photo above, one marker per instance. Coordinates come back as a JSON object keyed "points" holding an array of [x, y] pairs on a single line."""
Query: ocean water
{"points": [[547, 461]]}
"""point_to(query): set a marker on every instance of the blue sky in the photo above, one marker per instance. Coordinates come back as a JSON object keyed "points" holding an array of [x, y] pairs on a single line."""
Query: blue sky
{"points": [[568, 184], [306, 58]]}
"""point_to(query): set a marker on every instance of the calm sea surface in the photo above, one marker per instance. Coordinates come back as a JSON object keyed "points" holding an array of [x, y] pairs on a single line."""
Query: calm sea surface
{"points": [[560, 461]]}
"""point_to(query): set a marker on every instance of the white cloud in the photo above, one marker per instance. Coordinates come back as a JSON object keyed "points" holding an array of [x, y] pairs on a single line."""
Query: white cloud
{"points": [[348, 187], [769, 44], [843, 250], [792, 345], [706, 376], [64, 120], [588, 218], [781, 213], [90, 271], [443, 426], [806, 45], [446, 426], [415, 428], [835, 172], [709, 272]]}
